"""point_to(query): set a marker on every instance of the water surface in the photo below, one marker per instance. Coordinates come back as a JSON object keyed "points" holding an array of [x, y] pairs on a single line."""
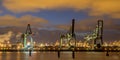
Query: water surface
{"points": [[63, 56]]}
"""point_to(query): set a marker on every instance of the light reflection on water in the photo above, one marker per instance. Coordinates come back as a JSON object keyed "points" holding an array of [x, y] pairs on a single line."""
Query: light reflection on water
{"points": [[64, 56]]}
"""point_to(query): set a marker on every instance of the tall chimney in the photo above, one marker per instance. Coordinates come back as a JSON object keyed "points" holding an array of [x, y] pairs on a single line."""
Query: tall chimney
{"points": [[73, 24]]}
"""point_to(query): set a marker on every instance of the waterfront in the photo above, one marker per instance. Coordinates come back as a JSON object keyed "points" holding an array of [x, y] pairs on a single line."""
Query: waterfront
{"points": [[64, 56]]}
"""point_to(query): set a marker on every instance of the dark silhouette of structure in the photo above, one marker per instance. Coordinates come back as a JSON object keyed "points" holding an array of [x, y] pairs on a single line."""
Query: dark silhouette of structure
{"points": [[28, 30], [69, 38], [99, 40]]}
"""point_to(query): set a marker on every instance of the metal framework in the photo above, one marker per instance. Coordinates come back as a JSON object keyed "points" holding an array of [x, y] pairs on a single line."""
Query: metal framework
{"points": [[69, 39], [97, 36], [27, 36], [99, 40]]}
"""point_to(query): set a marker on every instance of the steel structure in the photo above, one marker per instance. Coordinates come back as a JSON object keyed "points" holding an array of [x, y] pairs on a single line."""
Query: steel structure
{"points": [[69, 39], [27, 36], [99, 40], [97, 36]]}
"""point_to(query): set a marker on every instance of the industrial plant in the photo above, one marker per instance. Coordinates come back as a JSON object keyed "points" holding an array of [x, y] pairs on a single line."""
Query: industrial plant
{"points": [[67, 42]]}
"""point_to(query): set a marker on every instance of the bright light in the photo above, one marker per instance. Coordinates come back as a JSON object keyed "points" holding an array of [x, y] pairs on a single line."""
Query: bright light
{"points": [[18, 47], [8, 42], [28, 44], [34, 42], [42, 45]]}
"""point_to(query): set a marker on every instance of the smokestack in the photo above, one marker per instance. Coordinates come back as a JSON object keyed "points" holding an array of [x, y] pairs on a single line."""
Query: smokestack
{"points": [[73, 24]]}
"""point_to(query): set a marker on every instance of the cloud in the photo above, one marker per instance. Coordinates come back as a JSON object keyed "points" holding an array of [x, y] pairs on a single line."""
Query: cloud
{"points": [[105, 7], [64, 27], [6, 37], [81, 25], [35, 5], [90, 24], [18, 35], [1, 11], [8, 20], [111, 31], [117, 15], [111, 28], [95, 7], [39, 36]]}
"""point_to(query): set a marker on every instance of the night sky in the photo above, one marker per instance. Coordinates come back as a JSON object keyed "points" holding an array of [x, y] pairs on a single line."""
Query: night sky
{"points": [[50, 18]]}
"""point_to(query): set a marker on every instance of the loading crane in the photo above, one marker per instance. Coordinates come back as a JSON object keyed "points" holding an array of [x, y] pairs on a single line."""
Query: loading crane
{"points": [[27, 38], [96, 36], [69, 38]]}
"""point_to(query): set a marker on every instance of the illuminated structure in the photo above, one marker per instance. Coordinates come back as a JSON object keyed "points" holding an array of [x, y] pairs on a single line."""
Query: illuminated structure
{"points": [[96, 36], [68, 40], [99, 40], [27, 38]]}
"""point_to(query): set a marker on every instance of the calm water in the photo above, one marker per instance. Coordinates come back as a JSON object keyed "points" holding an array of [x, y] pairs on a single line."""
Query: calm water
{"points": [[64, 56]]}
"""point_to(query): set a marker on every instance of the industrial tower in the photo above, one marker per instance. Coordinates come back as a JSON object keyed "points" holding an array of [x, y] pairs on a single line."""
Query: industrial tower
{"points": [[27, 36], [97, 35], [69, 39], [99, 40]]}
